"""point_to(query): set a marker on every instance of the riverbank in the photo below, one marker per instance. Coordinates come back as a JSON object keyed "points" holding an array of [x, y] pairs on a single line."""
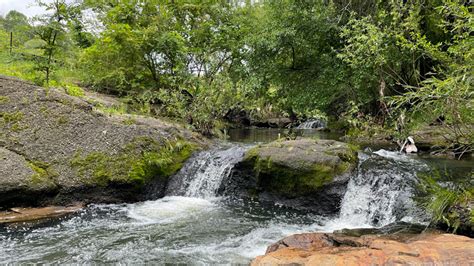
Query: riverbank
{"points": [[58, 149], [340, 249]]}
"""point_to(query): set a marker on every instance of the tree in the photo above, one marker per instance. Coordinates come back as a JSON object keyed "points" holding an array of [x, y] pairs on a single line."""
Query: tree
{"points": [[292, 54], [448, 90], [51, 30], [18, 24]]}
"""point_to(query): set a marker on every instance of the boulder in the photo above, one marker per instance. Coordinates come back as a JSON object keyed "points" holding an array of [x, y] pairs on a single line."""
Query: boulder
{"points": [[307, 174], [332, 249], [58, 149]]}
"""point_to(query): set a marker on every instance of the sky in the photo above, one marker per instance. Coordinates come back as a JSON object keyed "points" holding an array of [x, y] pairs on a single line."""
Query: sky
{"points": [[26, 7]]}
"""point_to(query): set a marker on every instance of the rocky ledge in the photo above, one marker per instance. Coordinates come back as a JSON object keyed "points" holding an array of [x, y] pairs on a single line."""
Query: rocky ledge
{"points": [[306, 174], [58, 149], [340, 249]]}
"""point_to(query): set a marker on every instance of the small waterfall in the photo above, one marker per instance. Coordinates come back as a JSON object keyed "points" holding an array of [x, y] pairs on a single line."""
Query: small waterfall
{"points": [[201, 177], [381, 193], [313, 123]]}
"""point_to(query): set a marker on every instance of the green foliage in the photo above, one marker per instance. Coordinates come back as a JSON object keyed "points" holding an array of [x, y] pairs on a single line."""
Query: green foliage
{"points": [[450, 205], [293, 55], [74, 91], [17, 23], [448, 91], [366, 63]]}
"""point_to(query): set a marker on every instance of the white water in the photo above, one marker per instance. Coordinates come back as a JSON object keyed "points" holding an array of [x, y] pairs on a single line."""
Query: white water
{"points": [[202, 177], [381, 192], [194, 226], [314, 123]]}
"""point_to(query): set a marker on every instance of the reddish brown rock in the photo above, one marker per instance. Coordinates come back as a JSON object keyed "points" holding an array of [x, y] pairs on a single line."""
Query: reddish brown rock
{"points": [[331, 249], [20, 215]]}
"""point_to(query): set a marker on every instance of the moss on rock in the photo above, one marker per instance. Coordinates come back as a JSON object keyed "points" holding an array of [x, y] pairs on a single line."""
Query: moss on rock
{"points": [[140, 161], [300, 167], [44, 174], [11, 117], [4, 99]]}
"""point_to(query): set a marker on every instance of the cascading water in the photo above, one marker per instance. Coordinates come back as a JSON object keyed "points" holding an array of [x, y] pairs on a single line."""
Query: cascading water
{"points": [[381, 192], [310, 124], [193, 226], [202, 177]]}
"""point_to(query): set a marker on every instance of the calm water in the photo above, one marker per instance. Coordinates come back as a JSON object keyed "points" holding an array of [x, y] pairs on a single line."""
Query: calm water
{"points": [[192, 225], [256, 135]]}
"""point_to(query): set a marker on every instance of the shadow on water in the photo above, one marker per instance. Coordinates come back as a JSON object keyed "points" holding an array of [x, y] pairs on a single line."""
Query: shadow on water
{"points": [[263, 135]]}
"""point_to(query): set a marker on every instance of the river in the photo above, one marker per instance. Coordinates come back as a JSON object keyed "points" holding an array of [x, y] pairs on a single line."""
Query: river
{"points": [[194, 225]]}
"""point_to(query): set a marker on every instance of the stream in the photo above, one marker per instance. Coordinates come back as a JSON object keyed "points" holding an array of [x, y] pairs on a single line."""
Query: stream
{"points": [[193, 225]]}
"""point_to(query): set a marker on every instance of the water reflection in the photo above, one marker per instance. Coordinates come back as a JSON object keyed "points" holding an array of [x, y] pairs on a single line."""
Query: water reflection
{"points": [[259, 135]]}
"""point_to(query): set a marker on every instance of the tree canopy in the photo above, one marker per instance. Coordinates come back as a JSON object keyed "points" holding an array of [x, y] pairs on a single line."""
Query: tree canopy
{"points": [[197, 61]]}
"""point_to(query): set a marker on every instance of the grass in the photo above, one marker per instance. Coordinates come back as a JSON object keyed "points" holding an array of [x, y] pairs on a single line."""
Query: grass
{"points": [[15, 65], [447, 204], [11, 65]]}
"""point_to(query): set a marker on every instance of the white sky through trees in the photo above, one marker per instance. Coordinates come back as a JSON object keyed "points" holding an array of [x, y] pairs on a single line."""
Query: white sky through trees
{"points": [[27, 7]]}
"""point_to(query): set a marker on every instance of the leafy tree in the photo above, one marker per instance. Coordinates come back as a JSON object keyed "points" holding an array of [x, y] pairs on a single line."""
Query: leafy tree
{"points": [[51, 30], [448, 91], [293, 54], [18, 24]]}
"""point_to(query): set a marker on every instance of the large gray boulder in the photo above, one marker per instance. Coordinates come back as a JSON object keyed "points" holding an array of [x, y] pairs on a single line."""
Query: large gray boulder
{"points": [[306, 174], [56, 148]]}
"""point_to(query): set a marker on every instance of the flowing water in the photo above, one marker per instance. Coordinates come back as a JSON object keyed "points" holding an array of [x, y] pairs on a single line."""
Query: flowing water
{"points": [[193, 225], [313, 123]]}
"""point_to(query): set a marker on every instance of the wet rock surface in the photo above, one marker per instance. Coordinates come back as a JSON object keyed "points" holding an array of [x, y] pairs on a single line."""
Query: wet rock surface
{"points": [[30, 215], [340, 249], [306, 174], [56, 149]]}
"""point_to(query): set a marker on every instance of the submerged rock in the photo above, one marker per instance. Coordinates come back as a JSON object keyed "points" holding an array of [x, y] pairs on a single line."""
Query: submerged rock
{"points": [[306, 174], [332, 249], [57, 149]]}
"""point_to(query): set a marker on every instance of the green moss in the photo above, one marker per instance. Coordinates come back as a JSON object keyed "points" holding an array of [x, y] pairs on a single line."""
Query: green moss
{"points": [[11, 117], [287, 181], [44, 173], [346, 155], [140, 161], [129, 121], [63, 120], [16, 127], [13, 120], [4, 99], [44, 109], [112, 110]]}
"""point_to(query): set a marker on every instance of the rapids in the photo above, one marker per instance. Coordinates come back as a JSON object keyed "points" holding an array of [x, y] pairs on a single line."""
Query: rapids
{"points": [[194, 225]]}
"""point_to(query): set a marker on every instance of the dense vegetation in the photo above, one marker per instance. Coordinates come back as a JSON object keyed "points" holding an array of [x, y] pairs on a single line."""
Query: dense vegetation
{"points": [[380, 65]]}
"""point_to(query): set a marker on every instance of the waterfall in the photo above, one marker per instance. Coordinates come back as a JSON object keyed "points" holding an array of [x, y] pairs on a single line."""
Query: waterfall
{"points": [[381, 192], [378, 194], [201, 177], [313, 123]]}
